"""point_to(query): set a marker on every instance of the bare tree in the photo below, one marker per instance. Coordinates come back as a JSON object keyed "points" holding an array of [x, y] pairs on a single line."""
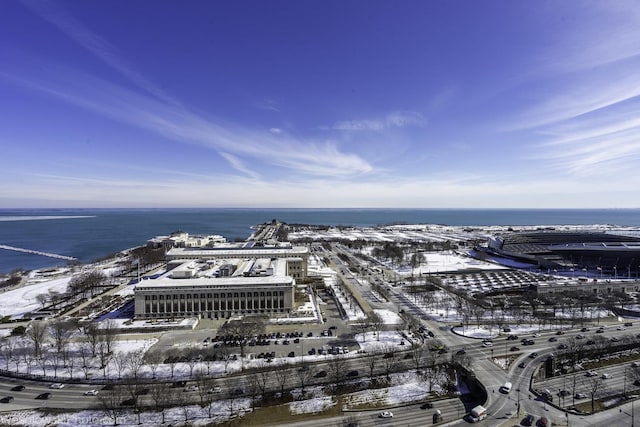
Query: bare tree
{"points": [[109, 334], [61, 332], [245, 328], [37, 333], [337, 368], [120, 362], [134, 389], [7, 349], [110, 403], [371, 363], [84, 351], [281, 373], [42, 299], [594, 385], [376, 323], [161, 395], [135, 362], [417, 354], [153, 358], [304, 377]]}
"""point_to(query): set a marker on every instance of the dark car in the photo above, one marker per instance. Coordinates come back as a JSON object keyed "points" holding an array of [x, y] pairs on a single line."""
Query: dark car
{"points": [[292, 354], [462, 351], [553, 339], [533, 355], [427, 405], [522, 365], [18, 388], [43, 396], [512, 337], [7, 399], [353, 373], [128, 402], [514, 348], [528, 420], [562, 346], [320, 374], [584, 330]]}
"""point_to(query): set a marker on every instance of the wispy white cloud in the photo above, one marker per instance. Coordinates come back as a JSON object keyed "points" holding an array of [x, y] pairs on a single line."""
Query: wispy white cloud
{"points": [[179, 124], [397, 119], [95, 44], [480, 191], [239, 165]]}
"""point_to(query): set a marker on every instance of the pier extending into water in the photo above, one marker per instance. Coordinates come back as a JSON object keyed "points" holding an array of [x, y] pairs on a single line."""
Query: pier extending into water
{"points": [[31, 251]]}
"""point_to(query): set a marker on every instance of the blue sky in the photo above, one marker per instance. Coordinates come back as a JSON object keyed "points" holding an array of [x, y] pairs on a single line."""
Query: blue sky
{"points": [[416, 104]]}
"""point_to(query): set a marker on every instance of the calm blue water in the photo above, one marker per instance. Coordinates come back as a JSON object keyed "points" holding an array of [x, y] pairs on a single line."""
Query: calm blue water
{"points": [[109, 230]]}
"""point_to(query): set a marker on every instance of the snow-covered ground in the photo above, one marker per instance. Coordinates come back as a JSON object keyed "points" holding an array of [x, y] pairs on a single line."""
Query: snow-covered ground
{"points": [[388, 317], [20, 301]]}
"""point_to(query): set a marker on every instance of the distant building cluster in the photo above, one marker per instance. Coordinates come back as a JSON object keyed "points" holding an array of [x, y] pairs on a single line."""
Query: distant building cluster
{"points": [[181, 239], [224, 280]]}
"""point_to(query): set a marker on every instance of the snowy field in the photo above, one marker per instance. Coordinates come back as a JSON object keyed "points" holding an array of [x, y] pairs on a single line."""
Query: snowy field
{"points": [[18, 302]]}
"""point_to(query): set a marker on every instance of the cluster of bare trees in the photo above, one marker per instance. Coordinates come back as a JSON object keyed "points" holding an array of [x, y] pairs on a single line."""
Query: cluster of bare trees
{"points": [[81, 286], [48, 345], [131, 394]]}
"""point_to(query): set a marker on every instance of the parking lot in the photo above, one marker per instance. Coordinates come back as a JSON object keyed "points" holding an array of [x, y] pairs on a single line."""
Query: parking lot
{"points": [[279, 340]]}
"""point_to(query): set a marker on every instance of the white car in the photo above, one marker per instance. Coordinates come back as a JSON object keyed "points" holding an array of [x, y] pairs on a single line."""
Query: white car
{"points": [[386, 414], [487, 344], [57, 385], [91, 393], [191, 388]]}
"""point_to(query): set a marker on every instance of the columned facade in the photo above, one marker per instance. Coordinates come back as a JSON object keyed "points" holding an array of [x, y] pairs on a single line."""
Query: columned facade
{"points": [[214, 297]]}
